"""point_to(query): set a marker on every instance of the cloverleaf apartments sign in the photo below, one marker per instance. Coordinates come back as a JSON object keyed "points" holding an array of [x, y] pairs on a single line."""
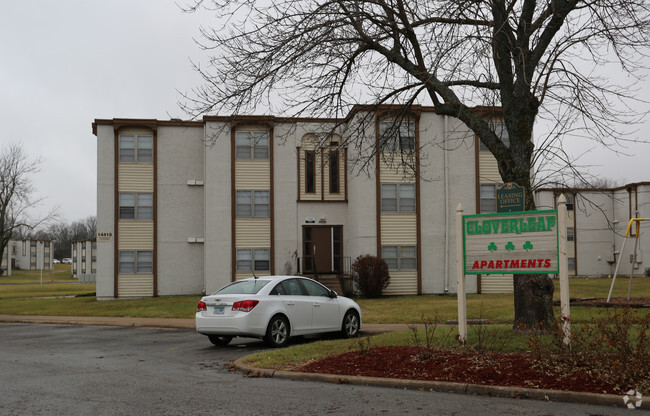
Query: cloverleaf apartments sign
{"points": [[517, 242]]}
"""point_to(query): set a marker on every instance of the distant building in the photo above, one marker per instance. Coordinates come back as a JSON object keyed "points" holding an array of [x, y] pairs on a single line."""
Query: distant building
{"points": [[31, 254], [84, 260], [597, 220]]}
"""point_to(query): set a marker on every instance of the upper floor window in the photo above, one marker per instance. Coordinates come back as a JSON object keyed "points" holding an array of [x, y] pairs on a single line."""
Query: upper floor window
{"points": [[569, 202], [488, 198], [135, 262], [253, 204], [310, 172], [136, 148], [501, 132], [136, 206], [570, 234], [394, 136], [334, 172], [252, 145], [398, 197]]}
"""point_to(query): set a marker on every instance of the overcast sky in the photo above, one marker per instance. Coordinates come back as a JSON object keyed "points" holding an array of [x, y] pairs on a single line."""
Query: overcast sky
{"points": [[66, 63]]}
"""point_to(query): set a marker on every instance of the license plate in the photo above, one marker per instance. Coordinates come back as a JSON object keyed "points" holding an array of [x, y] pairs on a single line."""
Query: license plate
{"points": [[218, 310]]}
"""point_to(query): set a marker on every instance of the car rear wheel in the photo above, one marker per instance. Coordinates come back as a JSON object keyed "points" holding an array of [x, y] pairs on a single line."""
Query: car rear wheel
{"points": [[219, 340], [350, 326], [277, 333]]}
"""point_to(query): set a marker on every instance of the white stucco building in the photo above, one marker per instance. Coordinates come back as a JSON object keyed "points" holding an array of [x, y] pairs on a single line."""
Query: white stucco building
{"points": [[185, 207]]}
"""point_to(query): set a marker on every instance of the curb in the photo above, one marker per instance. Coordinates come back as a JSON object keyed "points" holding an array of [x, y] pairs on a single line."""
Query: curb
{"points": [[441, 386]]}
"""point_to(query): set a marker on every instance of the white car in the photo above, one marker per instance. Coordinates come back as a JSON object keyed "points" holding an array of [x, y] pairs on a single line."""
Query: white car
{"points": [[275, 308]]}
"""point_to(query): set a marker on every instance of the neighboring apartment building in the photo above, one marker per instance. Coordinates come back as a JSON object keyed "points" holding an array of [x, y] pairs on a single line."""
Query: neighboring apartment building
{"points": [[31, 254], [84, 258], [187, 207], [597, 221]]}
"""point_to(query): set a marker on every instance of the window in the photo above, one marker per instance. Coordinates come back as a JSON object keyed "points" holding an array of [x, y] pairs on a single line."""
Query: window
{"points": [[253, 259], [570, 234], [291, 287], [399, 257], [310, 172], [569, 202], [334, 172], [252, 145], [315, 289], [488, 198], [398, 197], [136, 262], [572, 264], [136, 148], [136, 206], [501, 132], [397, 136], [253, 204]]}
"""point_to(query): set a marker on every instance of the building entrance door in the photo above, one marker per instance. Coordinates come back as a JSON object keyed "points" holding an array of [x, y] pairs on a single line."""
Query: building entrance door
{"points": [[321, 248]]}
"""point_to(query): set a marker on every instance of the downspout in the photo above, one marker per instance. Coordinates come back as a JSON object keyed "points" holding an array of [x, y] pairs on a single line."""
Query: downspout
{"points": [[446, 203]]}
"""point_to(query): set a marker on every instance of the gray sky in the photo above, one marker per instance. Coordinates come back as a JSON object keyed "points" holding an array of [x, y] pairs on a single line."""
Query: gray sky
{"points": [[65, 63]]}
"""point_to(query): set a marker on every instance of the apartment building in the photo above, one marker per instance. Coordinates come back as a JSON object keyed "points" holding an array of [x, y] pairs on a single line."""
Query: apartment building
{"points": [[185, 207]]}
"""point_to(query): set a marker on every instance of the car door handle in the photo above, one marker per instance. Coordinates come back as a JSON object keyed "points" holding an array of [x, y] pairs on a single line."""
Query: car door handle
{"points": [[290, 303], [316, 305]]}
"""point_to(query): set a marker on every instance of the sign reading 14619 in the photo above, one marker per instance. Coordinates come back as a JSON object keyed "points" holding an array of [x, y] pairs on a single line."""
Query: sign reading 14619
{"points": [[516, 242]]}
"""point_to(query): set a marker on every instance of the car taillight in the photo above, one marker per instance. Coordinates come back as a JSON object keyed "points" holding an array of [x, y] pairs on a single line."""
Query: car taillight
{"points": [[244, 305], [201, 307]]}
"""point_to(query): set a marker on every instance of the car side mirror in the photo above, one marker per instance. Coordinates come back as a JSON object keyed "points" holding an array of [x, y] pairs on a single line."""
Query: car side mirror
{"points": [[333, 294]]}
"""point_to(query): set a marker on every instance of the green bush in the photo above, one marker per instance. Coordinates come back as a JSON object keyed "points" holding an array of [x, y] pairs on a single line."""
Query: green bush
{"points": [[370, 275]]}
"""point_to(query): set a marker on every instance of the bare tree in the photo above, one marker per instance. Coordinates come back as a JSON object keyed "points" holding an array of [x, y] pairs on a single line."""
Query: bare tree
{"points": [[17, 194], [518, 59]]}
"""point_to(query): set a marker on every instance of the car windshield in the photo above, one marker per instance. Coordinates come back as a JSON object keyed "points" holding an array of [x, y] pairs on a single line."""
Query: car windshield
{"points": [[244, 287]]}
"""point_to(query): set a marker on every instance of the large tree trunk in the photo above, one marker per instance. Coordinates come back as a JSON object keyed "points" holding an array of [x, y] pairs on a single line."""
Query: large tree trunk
{"points": [[533, 303]]}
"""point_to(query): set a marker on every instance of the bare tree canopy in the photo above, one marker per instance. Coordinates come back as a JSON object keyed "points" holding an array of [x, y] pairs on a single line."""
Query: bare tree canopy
{"points": [[521, 58], [17, 193]]}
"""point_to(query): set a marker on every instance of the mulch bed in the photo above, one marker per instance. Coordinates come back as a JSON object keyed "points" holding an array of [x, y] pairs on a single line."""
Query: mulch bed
{"points": [[496, 369]]}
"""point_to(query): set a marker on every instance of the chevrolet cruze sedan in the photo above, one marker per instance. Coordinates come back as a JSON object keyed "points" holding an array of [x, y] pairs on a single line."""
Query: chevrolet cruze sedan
{"points": [[275, 308]]}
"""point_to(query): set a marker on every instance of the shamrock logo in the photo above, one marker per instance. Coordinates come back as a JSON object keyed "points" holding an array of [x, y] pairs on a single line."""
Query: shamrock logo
{"points": [[528, 246], [492, 246], [510, 246]]}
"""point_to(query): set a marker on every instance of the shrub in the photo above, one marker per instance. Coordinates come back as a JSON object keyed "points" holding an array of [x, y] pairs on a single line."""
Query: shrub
{"points": [[370, 274]]}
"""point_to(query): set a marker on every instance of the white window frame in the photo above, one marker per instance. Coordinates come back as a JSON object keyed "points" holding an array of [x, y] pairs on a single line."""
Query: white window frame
{"points": [[492, 199], [253, 259], [398, 257], [252, 144], [502, 133], [402, 202], [142, 261], [142, 211], [140, 152], [257, 208], [397, 136]]}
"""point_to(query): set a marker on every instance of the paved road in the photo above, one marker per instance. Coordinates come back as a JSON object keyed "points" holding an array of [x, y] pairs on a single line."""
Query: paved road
{"points": [[90, 370]]}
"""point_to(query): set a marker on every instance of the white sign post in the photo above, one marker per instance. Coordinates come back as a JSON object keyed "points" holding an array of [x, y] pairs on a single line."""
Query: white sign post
{"points": [[460, 275], [565, 307]]}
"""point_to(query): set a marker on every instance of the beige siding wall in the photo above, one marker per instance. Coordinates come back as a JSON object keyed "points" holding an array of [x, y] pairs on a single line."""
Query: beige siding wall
{"points": [[252, 174], [489, 170], [135, 235], [497, 283], [253, 232], [135, 285], [399, 229], [392, 174], [135, 177], [402, 283]]}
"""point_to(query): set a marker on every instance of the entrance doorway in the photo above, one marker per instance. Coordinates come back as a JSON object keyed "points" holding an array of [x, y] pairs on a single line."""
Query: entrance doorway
{"points": [[322, 248]]}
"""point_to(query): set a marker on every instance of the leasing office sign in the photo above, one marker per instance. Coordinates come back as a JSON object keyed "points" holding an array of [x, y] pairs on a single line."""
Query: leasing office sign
{"points": [[518, 242]]}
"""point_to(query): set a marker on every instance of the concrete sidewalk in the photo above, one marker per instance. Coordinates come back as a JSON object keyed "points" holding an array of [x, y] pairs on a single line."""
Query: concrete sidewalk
{"points": [[367, 330]]}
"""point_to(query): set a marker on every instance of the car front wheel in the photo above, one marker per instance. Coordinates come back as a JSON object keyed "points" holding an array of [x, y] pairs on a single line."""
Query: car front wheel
{"points": [[350, 326], [219, 340], [277, 333]]}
